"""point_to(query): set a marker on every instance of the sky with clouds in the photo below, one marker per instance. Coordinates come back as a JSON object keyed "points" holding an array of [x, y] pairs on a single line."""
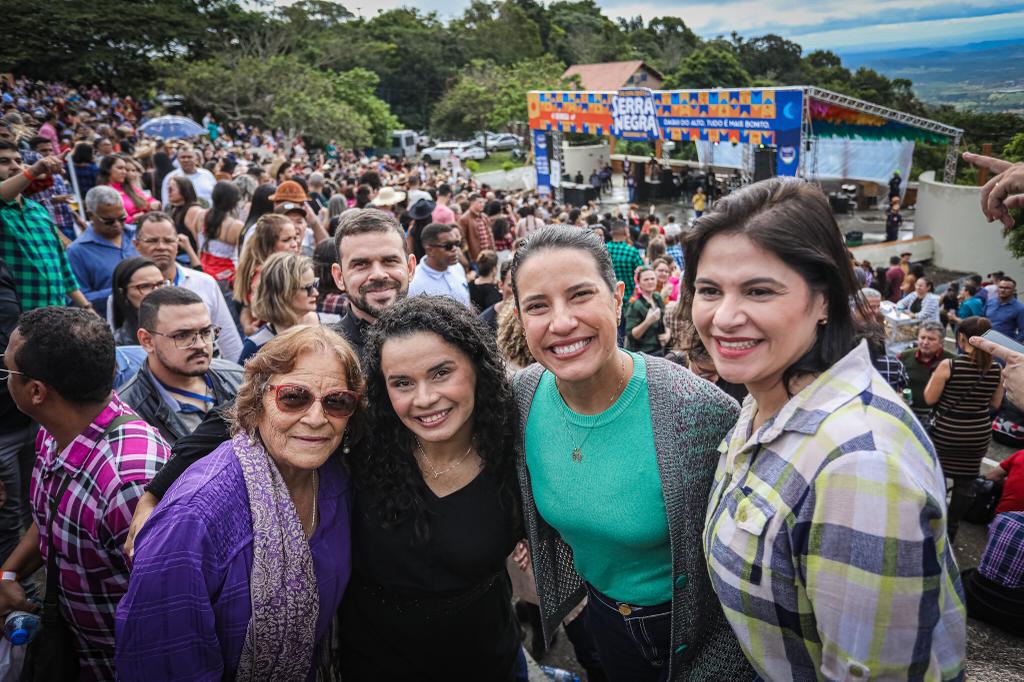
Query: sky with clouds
{"points": [[845, 25]]}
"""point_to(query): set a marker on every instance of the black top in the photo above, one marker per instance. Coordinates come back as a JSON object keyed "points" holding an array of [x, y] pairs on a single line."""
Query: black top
{"points": [[470, 536], [11, 419], [490, 316], [483, 296]]}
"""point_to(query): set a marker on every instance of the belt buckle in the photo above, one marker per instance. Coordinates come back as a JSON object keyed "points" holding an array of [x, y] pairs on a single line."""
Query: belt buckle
{"points": [[625, 609]]}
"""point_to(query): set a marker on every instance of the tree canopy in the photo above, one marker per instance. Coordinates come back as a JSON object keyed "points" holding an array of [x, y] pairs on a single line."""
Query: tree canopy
{"points": [[323, 68]]}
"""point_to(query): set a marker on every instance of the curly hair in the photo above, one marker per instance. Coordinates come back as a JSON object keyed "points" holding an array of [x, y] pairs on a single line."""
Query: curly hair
{"points": [[386, 464], [511, 338]]}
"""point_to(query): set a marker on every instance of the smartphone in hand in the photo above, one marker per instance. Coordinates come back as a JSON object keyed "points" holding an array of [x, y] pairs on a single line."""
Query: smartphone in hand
{"points": [[1003, 340]]}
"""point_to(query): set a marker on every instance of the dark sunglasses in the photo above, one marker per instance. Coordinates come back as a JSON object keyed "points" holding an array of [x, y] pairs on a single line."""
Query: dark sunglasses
{"points": [[292, 399], [310, 288], [448, 246], [110, 222]]}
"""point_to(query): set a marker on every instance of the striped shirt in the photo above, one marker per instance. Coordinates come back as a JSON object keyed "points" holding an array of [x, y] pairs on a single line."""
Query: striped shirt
{"points": [[31, 249], [826, 537], [92, 523]]}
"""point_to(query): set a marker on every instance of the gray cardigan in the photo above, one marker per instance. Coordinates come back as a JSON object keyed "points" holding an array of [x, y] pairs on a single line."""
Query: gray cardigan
{"points": [[690, 417]]}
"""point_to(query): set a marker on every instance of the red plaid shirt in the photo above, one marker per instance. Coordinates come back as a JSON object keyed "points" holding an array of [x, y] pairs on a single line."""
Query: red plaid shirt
{"points": [[92, 523]]}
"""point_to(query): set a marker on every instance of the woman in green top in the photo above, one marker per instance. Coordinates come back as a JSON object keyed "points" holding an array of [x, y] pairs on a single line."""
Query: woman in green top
{"points": [[645, 330], [616, 456]]}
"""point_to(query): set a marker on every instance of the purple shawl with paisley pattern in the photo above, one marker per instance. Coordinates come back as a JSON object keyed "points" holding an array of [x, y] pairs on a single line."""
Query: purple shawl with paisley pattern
{"points": [[281, 637]]}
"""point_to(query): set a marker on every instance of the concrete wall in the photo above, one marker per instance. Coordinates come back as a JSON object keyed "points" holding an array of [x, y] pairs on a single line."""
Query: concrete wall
{"points": [[584, 159], [951, 214], [920, 248]]}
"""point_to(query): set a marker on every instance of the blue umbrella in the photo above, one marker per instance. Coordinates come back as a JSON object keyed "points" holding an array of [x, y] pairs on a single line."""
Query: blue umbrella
{"points": [[172, 127]]}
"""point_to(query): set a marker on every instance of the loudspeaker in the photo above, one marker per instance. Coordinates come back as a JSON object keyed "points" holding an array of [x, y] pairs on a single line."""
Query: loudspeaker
{"points": [[764, 163]]}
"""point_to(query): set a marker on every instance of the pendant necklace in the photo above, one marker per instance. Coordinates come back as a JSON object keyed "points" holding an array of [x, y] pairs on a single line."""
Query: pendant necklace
{"points": [[433, 471], [577, 450]]}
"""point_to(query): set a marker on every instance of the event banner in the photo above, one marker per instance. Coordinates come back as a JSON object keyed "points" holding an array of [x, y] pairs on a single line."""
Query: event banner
{"points": [[541, 162], [757, 116]]}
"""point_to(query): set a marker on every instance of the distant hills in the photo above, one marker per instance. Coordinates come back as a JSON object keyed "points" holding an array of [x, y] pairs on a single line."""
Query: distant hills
{"points": [[981, 76]]}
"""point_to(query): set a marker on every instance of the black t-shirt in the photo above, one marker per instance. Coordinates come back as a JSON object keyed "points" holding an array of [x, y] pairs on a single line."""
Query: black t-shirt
{"points": [[470, 536], [483, 296]]}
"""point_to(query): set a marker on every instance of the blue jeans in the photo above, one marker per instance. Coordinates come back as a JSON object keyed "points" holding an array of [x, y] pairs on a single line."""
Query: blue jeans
{"points": [[633, 642]]}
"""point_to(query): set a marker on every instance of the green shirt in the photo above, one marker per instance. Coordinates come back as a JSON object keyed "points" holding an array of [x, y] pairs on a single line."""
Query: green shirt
{"points": [[625, 260], [635, 314], [608, 506], [919, 376], [31, 249]]}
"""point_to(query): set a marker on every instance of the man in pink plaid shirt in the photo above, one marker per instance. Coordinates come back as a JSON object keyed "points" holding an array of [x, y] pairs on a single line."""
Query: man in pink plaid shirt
{"points": [[94, 458]]}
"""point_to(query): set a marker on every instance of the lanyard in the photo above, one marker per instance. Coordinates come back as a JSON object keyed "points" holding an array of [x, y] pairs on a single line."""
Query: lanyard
{"points": [[189, 394]]}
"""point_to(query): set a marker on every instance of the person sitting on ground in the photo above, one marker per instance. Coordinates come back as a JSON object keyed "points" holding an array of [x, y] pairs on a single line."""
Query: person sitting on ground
{"points": [[181, 380], [133, 280], [921, 361], [285, 297]]}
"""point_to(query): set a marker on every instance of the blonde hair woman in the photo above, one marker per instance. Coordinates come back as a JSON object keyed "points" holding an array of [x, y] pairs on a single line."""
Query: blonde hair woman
{"points": [[271, 234], [285, 297]]}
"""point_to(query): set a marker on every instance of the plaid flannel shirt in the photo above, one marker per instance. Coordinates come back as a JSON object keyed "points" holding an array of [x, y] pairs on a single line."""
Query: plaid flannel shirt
{"points": [[92, 523], [1003, 560], [60, 212], [625, 260], [29, 245], [826, 537]]}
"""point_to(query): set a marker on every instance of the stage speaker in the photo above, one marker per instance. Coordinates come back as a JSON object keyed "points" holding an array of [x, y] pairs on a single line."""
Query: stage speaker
{"points": [[764, 163]]}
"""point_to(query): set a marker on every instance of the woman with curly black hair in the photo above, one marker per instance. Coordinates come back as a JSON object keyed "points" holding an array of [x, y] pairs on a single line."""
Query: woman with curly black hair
{"points": [[436, 503]]}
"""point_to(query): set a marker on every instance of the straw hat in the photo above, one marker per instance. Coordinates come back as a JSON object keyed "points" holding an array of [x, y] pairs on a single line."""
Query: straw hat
{"points": [[388, 196]]}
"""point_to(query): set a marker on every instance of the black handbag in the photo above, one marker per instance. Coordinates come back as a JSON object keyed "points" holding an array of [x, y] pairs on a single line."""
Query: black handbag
{"points": [[986, 499], [53, 656]]}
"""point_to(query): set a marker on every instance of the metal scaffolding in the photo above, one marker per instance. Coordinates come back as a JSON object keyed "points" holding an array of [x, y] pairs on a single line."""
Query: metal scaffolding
{"points": [[955, 135]]}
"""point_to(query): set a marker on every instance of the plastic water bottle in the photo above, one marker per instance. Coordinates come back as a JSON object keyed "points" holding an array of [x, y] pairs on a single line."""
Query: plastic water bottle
{"points": [[559, 675], [21, 627]]}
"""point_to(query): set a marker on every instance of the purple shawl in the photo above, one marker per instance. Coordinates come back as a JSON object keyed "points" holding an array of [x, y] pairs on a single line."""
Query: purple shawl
{"points": [[281, 636]]}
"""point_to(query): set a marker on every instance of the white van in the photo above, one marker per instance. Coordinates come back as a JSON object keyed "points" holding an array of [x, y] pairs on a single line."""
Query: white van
{"points": [[403, 144]]}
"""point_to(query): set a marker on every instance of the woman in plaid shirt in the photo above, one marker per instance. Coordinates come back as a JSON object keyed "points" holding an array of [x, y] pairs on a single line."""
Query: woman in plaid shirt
{"points": [[825, 533]]}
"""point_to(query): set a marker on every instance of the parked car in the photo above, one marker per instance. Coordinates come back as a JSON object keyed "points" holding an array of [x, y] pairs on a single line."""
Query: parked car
{"points": [[499, 142], [462, 151], [424, 140]]}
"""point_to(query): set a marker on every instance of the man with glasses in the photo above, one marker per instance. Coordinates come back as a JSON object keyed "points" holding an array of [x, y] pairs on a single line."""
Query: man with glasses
{"points": [[93, 458], [440, 272], [181, 381], [28, 238], [158, 240], [105, 243], [1004, 310]]}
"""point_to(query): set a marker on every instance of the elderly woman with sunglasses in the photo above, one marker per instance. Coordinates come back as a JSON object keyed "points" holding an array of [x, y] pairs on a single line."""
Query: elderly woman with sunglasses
{"points": [[241, 567], [286, 296]]}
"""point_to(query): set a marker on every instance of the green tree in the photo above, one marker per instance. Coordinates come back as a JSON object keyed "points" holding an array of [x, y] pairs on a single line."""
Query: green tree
{"points": [[1014, 149], [582, 34], [501, 32], [287, 93], [489, 97], [709, 67]]}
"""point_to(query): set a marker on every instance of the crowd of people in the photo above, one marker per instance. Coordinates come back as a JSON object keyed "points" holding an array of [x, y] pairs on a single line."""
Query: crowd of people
{"points": [[299, 414]]}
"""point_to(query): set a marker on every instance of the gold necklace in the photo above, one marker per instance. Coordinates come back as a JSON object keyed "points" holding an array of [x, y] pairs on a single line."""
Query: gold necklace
{"points": [[577, 450], [433, 471]]}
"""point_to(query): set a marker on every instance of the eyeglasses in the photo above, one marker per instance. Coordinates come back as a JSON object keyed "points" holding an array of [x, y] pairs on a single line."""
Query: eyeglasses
{"points": [[188, 337], [293, 399], [147, 287], [448, 246], [109, 222], [5, 373], [310, 288], [153, 241]]}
